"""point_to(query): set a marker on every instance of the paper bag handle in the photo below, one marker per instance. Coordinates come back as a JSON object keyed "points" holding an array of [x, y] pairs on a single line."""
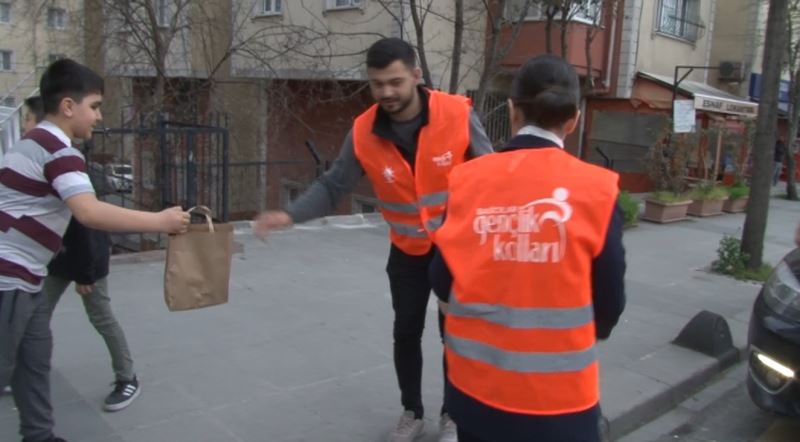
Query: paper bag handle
{"points": [[205, 211]]}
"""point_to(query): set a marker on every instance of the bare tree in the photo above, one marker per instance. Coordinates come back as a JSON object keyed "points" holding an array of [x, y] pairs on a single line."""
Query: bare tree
{"points": [[766, 126]]}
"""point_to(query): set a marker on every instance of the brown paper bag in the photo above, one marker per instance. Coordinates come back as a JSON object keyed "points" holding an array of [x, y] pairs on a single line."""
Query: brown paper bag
{"points": [[198, 266]]}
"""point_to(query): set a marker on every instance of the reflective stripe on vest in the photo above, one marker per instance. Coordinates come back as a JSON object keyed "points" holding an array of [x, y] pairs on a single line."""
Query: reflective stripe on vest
{"points": [[433, 199], [400, 207], [414, 231], [527, 362], [434, 223], [523, 317]]}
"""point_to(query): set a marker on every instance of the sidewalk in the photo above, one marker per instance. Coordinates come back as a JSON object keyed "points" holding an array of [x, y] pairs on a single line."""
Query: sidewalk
{"points": [[303, 350]]}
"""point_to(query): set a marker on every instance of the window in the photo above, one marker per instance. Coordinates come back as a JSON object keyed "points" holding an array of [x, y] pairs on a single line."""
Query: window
{"points": [[271, 7], [163, 18], [56, 18], [5, 60], [585, 11], [680, 18], [52, 58], [343, 4], [5, 12], [9, 102]]}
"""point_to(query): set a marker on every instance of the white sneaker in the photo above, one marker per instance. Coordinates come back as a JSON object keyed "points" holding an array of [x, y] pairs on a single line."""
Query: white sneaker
{"points": [[447, 429], [408, 428], [6, 390]]}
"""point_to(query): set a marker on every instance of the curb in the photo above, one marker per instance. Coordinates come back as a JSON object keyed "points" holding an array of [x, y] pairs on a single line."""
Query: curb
{"points": [[660, 403]]}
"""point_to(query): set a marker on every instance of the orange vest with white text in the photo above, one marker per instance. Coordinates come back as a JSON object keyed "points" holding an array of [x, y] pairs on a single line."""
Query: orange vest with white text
{"points": [[412, 202], [521, 232]]}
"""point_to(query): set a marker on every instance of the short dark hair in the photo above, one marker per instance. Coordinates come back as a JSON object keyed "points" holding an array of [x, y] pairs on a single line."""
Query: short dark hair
{"points": [[67, 78], [36, 107], [547, 91], [386, 51]]}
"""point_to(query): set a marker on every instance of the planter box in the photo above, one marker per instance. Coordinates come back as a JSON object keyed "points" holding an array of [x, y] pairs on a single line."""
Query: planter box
{"points": [[661, 212], [706, 207], [738, 205]]}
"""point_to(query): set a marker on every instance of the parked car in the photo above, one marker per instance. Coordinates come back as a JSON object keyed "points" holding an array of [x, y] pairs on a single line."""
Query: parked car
{"points": [[119, 177], [773, 379]]}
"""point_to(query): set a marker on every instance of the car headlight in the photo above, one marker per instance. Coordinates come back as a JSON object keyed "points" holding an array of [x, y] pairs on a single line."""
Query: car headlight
{"points": [[782, 292]]}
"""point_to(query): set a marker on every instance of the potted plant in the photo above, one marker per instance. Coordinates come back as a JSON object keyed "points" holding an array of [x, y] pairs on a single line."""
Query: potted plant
{"points": [[707, 200], [666, 167], [738, 194]]}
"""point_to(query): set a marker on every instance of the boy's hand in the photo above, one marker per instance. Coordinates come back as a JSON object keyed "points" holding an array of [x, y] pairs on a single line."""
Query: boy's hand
{"points": [[84, 290], [174, 220], [269, 221]]}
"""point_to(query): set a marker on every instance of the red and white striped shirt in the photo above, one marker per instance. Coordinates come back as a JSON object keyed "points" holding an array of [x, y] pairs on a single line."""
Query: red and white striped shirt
{"points": [[39, 173]]}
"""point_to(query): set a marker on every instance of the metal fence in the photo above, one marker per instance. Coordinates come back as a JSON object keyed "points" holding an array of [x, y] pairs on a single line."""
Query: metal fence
{"points": [[159, 165]]}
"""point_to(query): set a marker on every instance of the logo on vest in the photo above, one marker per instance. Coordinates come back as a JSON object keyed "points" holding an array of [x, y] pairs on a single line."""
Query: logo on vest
{"points": [[532, 233], [388, 174], [444, 160]]}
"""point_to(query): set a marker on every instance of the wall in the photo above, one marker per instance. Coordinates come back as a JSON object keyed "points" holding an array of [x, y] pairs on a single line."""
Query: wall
{"points": [[736, 38], [294, 119]]}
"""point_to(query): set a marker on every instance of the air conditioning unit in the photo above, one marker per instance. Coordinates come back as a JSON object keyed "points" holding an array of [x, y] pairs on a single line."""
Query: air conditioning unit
{"points": [[730, 71]]}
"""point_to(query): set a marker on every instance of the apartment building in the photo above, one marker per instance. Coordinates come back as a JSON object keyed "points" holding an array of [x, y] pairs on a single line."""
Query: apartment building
{"points": [[32, 34]]}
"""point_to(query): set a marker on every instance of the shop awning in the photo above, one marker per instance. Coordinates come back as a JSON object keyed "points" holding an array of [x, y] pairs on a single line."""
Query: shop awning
{"points": [[706, 98]]}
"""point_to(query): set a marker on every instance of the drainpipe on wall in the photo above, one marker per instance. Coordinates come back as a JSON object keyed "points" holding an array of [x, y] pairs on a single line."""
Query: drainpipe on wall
{"points": [[709, 34], [611, 44]]}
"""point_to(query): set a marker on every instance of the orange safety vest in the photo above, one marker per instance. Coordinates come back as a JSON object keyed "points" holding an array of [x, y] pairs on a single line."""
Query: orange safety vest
{"points": [[412, 202], [521, 232]]}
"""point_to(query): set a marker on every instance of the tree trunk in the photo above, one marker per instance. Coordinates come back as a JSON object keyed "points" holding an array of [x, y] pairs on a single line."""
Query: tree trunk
{"points": [[755, 223], [491, 57], [423, 60], [794, 123], [458, 33], [548, 32]]}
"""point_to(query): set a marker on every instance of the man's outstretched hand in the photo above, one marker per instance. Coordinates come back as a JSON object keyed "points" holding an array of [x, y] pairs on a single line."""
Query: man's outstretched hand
{"points": [[271, 220]]}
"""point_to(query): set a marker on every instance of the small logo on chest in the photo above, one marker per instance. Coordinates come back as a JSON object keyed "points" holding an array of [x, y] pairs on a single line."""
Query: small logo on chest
{"points": [[444, 160], [388, 174]]}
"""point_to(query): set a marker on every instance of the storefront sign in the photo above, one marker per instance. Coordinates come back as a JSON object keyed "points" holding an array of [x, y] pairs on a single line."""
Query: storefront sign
{"points": [[725, 106]]}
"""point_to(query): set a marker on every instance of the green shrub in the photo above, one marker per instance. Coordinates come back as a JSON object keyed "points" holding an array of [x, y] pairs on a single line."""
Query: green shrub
{"points": [[630, 208], [668, 197], [738, 191], [705, 192], [733, 262]]}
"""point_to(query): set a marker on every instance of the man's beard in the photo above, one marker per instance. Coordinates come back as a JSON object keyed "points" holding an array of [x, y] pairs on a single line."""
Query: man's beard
{"points": [[401, 105]]}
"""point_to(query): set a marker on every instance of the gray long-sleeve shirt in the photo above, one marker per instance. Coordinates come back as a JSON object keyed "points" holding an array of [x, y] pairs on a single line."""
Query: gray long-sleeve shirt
{"points": [[323, 195]]}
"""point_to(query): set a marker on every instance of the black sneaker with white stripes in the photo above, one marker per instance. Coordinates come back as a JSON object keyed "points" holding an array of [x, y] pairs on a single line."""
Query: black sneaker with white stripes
{"points": [[124, 393]]}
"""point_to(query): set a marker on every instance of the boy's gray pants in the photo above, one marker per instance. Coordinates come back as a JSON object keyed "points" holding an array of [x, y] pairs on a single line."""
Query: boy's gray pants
{"points": [[98, 308], [26, 346]]}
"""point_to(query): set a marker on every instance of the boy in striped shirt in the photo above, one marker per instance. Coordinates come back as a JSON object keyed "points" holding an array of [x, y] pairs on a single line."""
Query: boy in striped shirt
{"points": [[43, 182]]}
